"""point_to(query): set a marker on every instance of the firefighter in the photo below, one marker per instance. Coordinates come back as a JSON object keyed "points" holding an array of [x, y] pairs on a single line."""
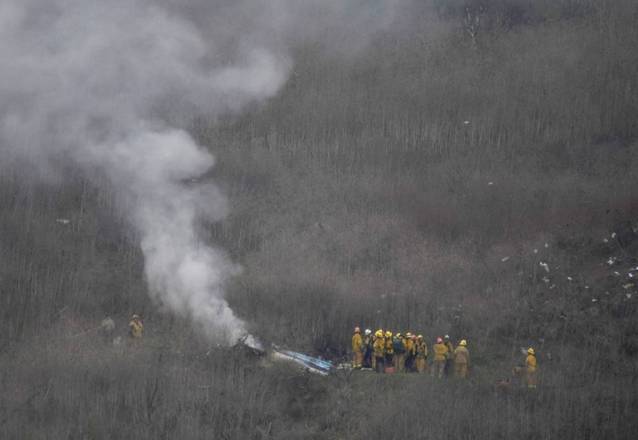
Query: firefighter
{"points": [[441, 355], [449, 362], [389, 351], [136, 327], [367, 348], [357, 349], [398, 344], [421, 355], [409, 352], [378, 349], [461, 360], [531, 369]]}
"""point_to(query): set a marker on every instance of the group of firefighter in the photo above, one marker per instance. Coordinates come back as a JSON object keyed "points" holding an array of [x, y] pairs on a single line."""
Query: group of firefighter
{"points": [[387, 352]]}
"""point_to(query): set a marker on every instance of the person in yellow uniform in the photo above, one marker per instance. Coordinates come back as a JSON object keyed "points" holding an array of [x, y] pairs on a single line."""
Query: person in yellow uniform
{"points": [[136, 327], [421, 355], [357, 348], [368, 340], [399, 352], [409, 352], [531, 369], [389, 352], [461, 360], [378, 349], [440, 356]]}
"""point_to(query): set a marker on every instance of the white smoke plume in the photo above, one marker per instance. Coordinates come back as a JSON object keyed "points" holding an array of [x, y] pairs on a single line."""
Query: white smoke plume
{"points": [[93, 83]]}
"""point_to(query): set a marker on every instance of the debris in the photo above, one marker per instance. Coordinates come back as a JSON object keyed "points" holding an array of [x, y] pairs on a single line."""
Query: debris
{"points": [[570, 279], [309, 363], [546, 245], [63, 221], [586, 287], [594, 300], [552, 286], [466, 122], [613, 235], [544, 266], [490, 183], [546, 280], [605, 240], [504, 259], [535, 251], [630, 275], [611, 261], [628, 295], [628, 286], [617, 273]]}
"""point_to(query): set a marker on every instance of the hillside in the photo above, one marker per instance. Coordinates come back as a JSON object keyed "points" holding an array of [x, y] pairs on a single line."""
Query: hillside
{"points": [[421, 180]]}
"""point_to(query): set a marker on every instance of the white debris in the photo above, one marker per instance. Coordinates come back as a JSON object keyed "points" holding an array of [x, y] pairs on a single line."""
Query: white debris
{"points": [[490, 183], [628, 295], [63, 221], [466, 122], [535, 251], [570, 279], [594, 300], [617, 273], [630, 275], [605, 240], [544, 266], [552, 286], [611, 261], [613, 235], [546, 280], [546, 245], [628, 286], [504, 259]]}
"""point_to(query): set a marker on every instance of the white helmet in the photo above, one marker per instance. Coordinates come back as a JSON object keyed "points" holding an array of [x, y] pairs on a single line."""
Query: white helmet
{"points": [[368, 332]]}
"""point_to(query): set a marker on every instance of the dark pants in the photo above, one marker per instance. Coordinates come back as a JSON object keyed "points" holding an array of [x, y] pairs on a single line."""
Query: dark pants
{"points": [[380, 364], [367, 358], [409, 363]]}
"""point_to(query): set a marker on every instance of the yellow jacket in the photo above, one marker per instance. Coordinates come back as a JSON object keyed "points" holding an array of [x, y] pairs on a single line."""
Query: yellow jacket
{"points": [[389, 348], [379, 347], [421, 349], [136, 328], [461, 355], [530, 362], [356, 342], [440, 352], [409, 346]]}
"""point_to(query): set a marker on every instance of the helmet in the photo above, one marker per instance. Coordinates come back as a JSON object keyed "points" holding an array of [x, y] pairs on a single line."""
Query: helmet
{"points": [[398, 335], [413, 337], [378, 334], [439, 340], [420, 337], [357, 330], [463, 343], [135, 316], [388, 334], [530, 350], [368, 332], [408, 335], [446, 337]]}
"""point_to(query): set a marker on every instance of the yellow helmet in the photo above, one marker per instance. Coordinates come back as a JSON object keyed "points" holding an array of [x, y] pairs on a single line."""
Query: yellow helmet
{"points": [[408, 335], [420, 337], [530, 351], [388, 334], [463, 343], [378, 333], [398, 335]]}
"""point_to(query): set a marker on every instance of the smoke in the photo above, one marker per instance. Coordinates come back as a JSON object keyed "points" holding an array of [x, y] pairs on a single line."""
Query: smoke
{"points": [[93, 84]]}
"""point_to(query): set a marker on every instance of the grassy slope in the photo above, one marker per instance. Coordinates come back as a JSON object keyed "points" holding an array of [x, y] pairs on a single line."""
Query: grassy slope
{"points": [[361, 196]]}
